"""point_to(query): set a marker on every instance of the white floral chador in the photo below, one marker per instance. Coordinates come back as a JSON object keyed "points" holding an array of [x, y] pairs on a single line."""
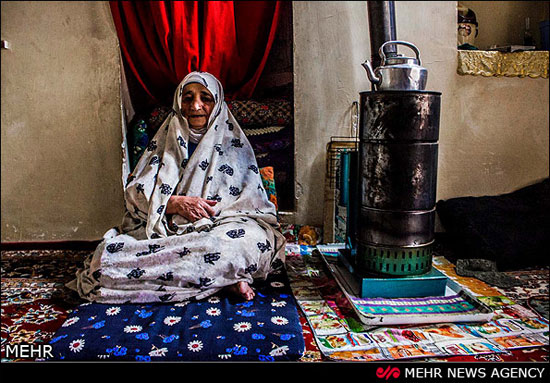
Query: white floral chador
{"points": [[155, 257]]}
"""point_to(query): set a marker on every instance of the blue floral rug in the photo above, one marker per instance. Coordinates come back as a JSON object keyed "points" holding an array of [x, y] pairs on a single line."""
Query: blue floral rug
{"points": [[214, 329]]}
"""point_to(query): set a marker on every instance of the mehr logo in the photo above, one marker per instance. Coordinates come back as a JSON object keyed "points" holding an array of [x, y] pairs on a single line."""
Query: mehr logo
{"points": [[389, 372], [25, 350]]}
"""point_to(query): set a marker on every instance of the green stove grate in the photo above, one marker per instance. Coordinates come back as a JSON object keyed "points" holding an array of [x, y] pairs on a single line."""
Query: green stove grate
{"points": [[396, 261]]}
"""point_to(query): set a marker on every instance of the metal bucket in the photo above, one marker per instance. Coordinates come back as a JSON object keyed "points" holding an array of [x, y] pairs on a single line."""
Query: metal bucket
{"points": [[399, 132]]}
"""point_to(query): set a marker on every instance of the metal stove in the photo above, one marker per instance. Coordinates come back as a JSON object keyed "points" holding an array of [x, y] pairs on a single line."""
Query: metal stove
{"points": [[392, 177]]}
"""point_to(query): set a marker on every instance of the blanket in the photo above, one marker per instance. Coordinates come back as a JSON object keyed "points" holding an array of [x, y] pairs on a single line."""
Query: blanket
{"points": [[509, 229], [217, 328]]}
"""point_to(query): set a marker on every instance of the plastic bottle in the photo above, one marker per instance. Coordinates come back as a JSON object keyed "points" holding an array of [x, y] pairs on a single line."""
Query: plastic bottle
{"points": [[528, 39]]}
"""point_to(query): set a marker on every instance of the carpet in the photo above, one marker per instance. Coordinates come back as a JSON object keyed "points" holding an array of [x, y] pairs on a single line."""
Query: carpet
{"points": [[30, 278], [28, 314]]}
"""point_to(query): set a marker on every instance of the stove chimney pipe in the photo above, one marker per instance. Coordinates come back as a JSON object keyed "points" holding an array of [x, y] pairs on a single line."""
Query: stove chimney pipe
{"points": [[381, 15]]}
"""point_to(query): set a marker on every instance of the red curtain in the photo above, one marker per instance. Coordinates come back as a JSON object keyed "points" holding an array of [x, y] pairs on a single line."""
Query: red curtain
{"points": [[162, 41]]}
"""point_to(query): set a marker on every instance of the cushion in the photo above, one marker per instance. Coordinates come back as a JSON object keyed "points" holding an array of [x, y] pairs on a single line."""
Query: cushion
{"points": [[269, 112], [268, 180], [213, 329], [142, 127], [276, 149], [510, 229]]}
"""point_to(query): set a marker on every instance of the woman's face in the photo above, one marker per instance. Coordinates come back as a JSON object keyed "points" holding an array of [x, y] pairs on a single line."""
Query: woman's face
{"points": [[196, 105]]}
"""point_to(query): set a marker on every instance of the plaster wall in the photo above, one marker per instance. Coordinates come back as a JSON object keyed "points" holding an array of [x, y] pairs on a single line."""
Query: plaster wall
{"points": [[493, 131], [330, 42], [61, 123]]}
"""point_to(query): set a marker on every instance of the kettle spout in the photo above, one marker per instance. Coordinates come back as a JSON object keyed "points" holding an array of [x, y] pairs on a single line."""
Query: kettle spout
{"points": [[370, 73]]}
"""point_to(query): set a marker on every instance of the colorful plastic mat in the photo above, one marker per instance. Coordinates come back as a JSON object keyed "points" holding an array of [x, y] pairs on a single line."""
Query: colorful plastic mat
{"points": [[517, 333]]}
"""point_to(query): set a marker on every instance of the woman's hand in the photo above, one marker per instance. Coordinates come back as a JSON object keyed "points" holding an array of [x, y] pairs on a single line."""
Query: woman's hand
{"points": [[191, 208]]}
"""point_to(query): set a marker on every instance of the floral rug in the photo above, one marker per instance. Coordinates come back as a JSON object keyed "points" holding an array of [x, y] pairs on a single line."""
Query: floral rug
{"points": [[266, 328], [30, 281], [28, 316]]}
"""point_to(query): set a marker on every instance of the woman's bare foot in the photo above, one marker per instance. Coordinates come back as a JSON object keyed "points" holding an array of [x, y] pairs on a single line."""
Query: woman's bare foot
{"points": [[243, 290]]}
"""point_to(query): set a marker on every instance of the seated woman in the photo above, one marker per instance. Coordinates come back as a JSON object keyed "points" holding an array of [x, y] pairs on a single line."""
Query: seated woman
{"points": [[197, 216]]}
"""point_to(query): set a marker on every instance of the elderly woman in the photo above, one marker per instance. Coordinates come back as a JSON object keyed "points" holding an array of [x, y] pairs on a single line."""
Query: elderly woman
{"points": [[197, 216]]}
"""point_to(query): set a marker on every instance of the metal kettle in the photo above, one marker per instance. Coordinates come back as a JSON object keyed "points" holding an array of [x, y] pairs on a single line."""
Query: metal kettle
{"points": [[398, 72]]}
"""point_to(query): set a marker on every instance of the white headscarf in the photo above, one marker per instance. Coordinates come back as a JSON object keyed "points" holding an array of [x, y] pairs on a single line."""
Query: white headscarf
{"points": [[223, 167], [214, 87]]}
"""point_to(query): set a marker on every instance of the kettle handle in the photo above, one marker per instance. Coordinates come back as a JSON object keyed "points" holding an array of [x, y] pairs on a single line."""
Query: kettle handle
{"points": [[410, 45]]}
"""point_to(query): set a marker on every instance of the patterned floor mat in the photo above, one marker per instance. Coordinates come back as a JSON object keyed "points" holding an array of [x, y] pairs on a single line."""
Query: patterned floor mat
{"points": [[29, 278], [533, 291], [28, 314], [42, 264]]}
